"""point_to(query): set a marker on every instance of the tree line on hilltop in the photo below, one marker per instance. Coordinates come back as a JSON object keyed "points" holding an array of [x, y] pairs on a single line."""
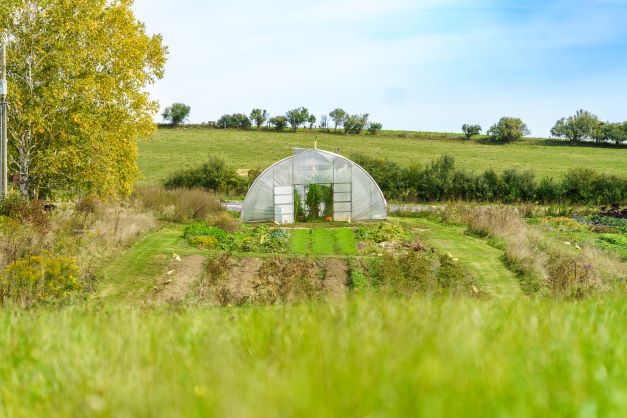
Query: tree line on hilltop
{"points": [[296, 118], [583, 126]]}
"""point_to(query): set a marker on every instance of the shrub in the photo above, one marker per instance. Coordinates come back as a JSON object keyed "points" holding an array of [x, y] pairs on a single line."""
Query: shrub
{"points": [[582, 125], [176, 114], [571, 278], [279, 122], [39, 279], [297, 117], [204, 242], [213, 175], [196, 230], [441, 180], [471, 131], [354, 124], [17, 240], [374, 127], [417, 270], [20, 208], [548, 191], [508, 130], [382, 232], [389, 175], [451, 275], [225, 221], [234, 121], [516, 186]]}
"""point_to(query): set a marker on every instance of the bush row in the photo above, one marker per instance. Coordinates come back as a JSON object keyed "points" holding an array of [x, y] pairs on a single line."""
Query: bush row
{"points": [[214, 175], [441, 180]]}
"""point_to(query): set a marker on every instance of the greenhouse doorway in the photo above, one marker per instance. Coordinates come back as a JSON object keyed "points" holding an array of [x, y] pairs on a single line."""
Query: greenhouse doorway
{"points": [[319, 201]]}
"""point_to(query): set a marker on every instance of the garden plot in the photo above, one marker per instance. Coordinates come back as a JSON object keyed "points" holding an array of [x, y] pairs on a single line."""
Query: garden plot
{"points": [[322, 241]]}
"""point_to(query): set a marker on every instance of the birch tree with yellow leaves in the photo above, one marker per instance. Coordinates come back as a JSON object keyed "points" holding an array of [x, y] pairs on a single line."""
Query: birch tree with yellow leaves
{"points": [[78, 72]]}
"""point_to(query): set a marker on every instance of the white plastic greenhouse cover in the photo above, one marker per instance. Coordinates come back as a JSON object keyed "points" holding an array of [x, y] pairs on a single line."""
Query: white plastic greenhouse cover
{"points": [[356, 196]]}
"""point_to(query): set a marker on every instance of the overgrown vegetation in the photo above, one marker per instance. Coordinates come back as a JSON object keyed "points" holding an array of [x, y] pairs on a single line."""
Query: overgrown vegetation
{"points": [[544, 265], [52, 257], [179, 204]]}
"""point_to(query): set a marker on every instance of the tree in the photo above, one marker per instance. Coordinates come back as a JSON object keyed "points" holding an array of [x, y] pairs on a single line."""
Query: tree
{"points": [[279, 122], [471, 130], [297, 117], [582, 125], [311, 121], [337, 115], [610, 132], [78, 71], [508, 130], [234, 121], [259, 116], [176, 114], [354, 124], [324, 123], [374, 127]]}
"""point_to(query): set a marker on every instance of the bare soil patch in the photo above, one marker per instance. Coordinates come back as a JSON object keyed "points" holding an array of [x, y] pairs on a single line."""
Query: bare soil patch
{"points": [[336, 278], [177, 281]]}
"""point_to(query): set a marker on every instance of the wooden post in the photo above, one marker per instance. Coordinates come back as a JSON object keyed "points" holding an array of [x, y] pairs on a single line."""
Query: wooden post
{"points": [[4, 165]]}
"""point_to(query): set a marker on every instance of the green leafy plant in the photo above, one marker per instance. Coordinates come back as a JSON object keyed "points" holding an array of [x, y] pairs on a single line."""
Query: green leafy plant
{"points": [[382, 232]]}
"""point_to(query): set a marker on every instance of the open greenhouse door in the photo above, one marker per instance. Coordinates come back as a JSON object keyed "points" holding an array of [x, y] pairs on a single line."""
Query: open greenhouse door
{"points": [[342, 202], [283, 204]]}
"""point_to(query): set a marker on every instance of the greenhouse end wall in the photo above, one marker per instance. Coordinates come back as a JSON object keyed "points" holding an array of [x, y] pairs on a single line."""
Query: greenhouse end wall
{"points": [[356, 196]]}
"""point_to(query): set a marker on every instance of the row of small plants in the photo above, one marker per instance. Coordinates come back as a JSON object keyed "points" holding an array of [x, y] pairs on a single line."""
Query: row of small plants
{"points": [[412, 271]]}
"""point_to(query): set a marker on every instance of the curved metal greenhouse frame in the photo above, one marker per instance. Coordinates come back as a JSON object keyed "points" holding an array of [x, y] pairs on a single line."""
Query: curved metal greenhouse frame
{"points": [[356, 196]]}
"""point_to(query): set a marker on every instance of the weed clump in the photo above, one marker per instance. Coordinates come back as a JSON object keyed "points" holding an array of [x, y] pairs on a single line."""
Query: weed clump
{"points": [[39, 279], [178, 204]]}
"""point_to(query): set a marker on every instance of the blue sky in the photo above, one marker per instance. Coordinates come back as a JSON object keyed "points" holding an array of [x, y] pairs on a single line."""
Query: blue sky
{"points": [[428, 65]]}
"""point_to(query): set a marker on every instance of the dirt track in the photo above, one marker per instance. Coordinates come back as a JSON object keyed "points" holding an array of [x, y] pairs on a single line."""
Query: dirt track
{"points": [[335, 278], [179, 279]]}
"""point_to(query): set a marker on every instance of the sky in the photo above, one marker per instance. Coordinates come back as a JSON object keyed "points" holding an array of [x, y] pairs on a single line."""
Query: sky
{"points": [[428, 65]]}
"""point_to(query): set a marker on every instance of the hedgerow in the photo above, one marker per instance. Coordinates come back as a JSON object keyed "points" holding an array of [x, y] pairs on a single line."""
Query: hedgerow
{"points": [[441, 180]]}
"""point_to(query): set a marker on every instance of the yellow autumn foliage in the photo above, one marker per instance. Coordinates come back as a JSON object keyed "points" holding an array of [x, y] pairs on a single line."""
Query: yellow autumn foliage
{"points": [[39, 279], [78, 70]]}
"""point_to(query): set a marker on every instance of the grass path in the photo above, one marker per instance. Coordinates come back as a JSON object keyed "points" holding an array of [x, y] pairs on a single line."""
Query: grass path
{"points": [[476, 254], [129, 276]]}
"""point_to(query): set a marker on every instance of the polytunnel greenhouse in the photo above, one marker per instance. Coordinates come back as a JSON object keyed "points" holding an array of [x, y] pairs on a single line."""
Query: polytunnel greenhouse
{"points": [[314, 184]]}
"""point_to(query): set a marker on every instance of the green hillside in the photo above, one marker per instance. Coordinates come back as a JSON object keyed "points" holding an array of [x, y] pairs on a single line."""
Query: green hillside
{"points": [[171, 149]]}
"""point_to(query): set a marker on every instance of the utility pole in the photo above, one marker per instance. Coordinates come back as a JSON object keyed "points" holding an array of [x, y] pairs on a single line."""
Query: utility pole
{"points": [[4, 143]]}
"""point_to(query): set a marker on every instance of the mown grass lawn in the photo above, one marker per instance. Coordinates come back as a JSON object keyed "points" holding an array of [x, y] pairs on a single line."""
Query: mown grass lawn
{"points": [[369, 356], [323, 241], [172, 149]]}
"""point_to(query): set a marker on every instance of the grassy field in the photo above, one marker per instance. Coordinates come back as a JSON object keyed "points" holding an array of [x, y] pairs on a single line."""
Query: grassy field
{"points": [[171, 149], [370, 356]]}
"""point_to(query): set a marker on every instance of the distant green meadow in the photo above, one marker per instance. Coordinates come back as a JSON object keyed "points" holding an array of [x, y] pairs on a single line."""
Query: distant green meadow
{"points": [[173, 149]]}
